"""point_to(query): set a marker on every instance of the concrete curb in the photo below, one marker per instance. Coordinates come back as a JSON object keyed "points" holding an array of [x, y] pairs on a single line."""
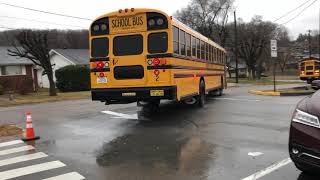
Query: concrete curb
{"points": [[272, 93], [264, 93]]}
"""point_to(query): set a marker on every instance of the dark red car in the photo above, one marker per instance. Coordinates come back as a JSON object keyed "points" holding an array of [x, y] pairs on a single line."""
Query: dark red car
{"points": [[315, 84], [304, 141]]}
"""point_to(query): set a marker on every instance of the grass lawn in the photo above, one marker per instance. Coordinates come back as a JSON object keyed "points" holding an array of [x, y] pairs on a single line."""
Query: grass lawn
{"points": [[262, 81], [42, 96], [9, 130]]}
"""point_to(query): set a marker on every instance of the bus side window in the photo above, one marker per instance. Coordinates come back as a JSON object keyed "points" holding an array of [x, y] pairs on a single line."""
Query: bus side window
{"points": [[188, 42], [194, 47], [211, 54], [207, 51], [198, 50], [175, 32], [215, 55], [182, 43], [203, 50]]}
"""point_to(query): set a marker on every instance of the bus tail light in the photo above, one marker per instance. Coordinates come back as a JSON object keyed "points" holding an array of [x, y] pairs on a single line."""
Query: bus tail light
{"points": [[100, 65], [156, 61], [101, 74]]}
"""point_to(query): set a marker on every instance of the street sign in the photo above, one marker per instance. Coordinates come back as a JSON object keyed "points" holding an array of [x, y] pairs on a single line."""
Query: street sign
{"points": [[274, 48], [274, 45]]}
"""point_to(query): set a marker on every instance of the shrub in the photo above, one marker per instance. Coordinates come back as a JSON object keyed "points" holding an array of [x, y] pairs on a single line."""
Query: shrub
{"points": [[1, 90], [73, 78], [25, 86]]}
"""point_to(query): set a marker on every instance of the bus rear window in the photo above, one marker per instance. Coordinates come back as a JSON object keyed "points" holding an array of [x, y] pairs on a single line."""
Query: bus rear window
{"points": [[158, 42], [100, 47], [309, 68], [128, 45]]}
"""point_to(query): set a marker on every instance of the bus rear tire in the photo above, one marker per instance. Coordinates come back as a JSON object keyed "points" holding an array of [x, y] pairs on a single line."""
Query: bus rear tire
{"points": [[201, 99]]}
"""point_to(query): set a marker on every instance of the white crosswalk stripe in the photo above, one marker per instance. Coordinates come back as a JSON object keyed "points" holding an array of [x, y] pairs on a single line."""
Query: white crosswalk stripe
{"points": [[16, 150], [19, 171], [69, 176], [22, 158], [30, 170], [10, 143]]}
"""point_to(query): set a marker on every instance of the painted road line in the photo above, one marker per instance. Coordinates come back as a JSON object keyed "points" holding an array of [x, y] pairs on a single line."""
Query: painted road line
{"points": [[235, 99], [24, 158], [16, 150], [14, 173], [268, 170], [68, 176], [126, 116], [255, 154], [10, 143]]}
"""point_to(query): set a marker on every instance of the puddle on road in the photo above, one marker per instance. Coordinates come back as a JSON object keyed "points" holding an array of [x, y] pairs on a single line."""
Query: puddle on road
{"points": [[150, 154]]}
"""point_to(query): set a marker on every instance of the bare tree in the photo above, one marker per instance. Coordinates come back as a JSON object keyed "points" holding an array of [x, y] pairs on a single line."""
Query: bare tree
{"points": [[254, 38], [284, 56], [209, 17], [33, 45]]}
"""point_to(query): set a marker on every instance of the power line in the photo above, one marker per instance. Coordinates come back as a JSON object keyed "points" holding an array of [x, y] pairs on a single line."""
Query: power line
{"points": [[299, 13], [289, 12], [45, 22], [45, 12]]}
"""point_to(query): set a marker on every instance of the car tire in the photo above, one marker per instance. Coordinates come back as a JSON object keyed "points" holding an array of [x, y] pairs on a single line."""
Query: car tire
{"points": [[305, 169], [201, 99]]}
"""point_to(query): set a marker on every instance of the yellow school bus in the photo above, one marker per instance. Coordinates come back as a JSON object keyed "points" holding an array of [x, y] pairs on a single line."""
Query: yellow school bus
{"points": [[309, 69], [144, 56]]}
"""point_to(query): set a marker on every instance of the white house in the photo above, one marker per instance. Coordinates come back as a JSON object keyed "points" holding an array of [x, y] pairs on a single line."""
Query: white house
{"points": [[61, 58]]}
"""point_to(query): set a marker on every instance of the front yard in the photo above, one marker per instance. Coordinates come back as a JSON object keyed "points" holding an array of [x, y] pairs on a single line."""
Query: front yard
{"points": [[40, 97]]}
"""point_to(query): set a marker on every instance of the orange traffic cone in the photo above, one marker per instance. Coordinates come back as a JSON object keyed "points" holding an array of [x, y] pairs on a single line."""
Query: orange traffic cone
{"points": [[29, 134]]}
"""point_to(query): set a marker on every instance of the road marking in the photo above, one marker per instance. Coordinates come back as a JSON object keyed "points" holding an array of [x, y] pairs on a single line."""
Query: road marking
{"points": [[10, 143], [235, 99], [255, 154], [268, 170], [121, 115], [30, 170], [16, 150], [22, 158], [68, 176]]}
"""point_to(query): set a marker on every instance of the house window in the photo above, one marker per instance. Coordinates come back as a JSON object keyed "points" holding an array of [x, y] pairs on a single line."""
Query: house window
{"points": [[11, 70]]}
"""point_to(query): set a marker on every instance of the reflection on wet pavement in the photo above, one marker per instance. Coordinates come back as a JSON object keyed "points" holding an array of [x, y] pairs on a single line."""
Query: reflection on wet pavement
{"points": [[176, 151]]}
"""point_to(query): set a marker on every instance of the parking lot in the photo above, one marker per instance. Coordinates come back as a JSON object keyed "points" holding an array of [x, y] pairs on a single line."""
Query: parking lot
{"points": [[237, 136]]}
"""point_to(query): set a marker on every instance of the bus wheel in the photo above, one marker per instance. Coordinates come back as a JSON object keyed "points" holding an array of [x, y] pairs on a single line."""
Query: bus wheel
{"points": [[202, 94]]}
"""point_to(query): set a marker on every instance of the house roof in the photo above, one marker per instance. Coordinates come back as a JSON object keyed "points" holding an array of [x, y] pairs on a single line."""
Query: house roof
{"points": [[5, 59], [76, 56]]}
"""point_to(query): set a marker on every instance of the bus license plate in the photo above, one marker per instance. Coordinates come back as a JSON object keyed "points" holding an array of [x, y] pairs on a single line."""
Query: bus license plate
{"points": [[102, 80], [156, 93]]}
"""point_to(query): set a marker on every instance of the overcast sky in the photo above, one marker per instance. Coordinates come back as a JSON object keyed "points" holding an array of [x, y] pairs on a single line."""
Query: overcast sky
{"points": [[246, 9]]}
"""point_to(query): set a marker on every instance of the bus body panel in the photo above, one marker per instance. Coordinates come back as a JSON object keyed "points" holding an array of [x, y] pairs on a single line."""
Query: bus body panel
{"points": [[175, 78], [309, 69]]}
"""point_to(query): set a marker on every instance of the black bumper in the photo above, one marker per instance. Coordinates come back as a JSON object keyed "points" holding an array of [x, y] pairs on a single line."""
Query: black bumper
{"points": [[116, 95]]}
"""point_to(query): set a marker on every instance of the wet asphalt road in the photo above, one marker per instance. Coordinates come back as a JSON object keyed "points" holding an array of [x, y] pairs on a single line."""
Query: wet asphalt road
{"points": [[179, 141]]}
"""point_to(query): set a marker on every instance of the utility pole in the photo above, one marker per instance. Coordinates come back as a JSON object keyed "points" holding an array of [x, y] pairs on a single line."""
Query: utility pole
{"points": [[236, 46], [309, 37]]}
